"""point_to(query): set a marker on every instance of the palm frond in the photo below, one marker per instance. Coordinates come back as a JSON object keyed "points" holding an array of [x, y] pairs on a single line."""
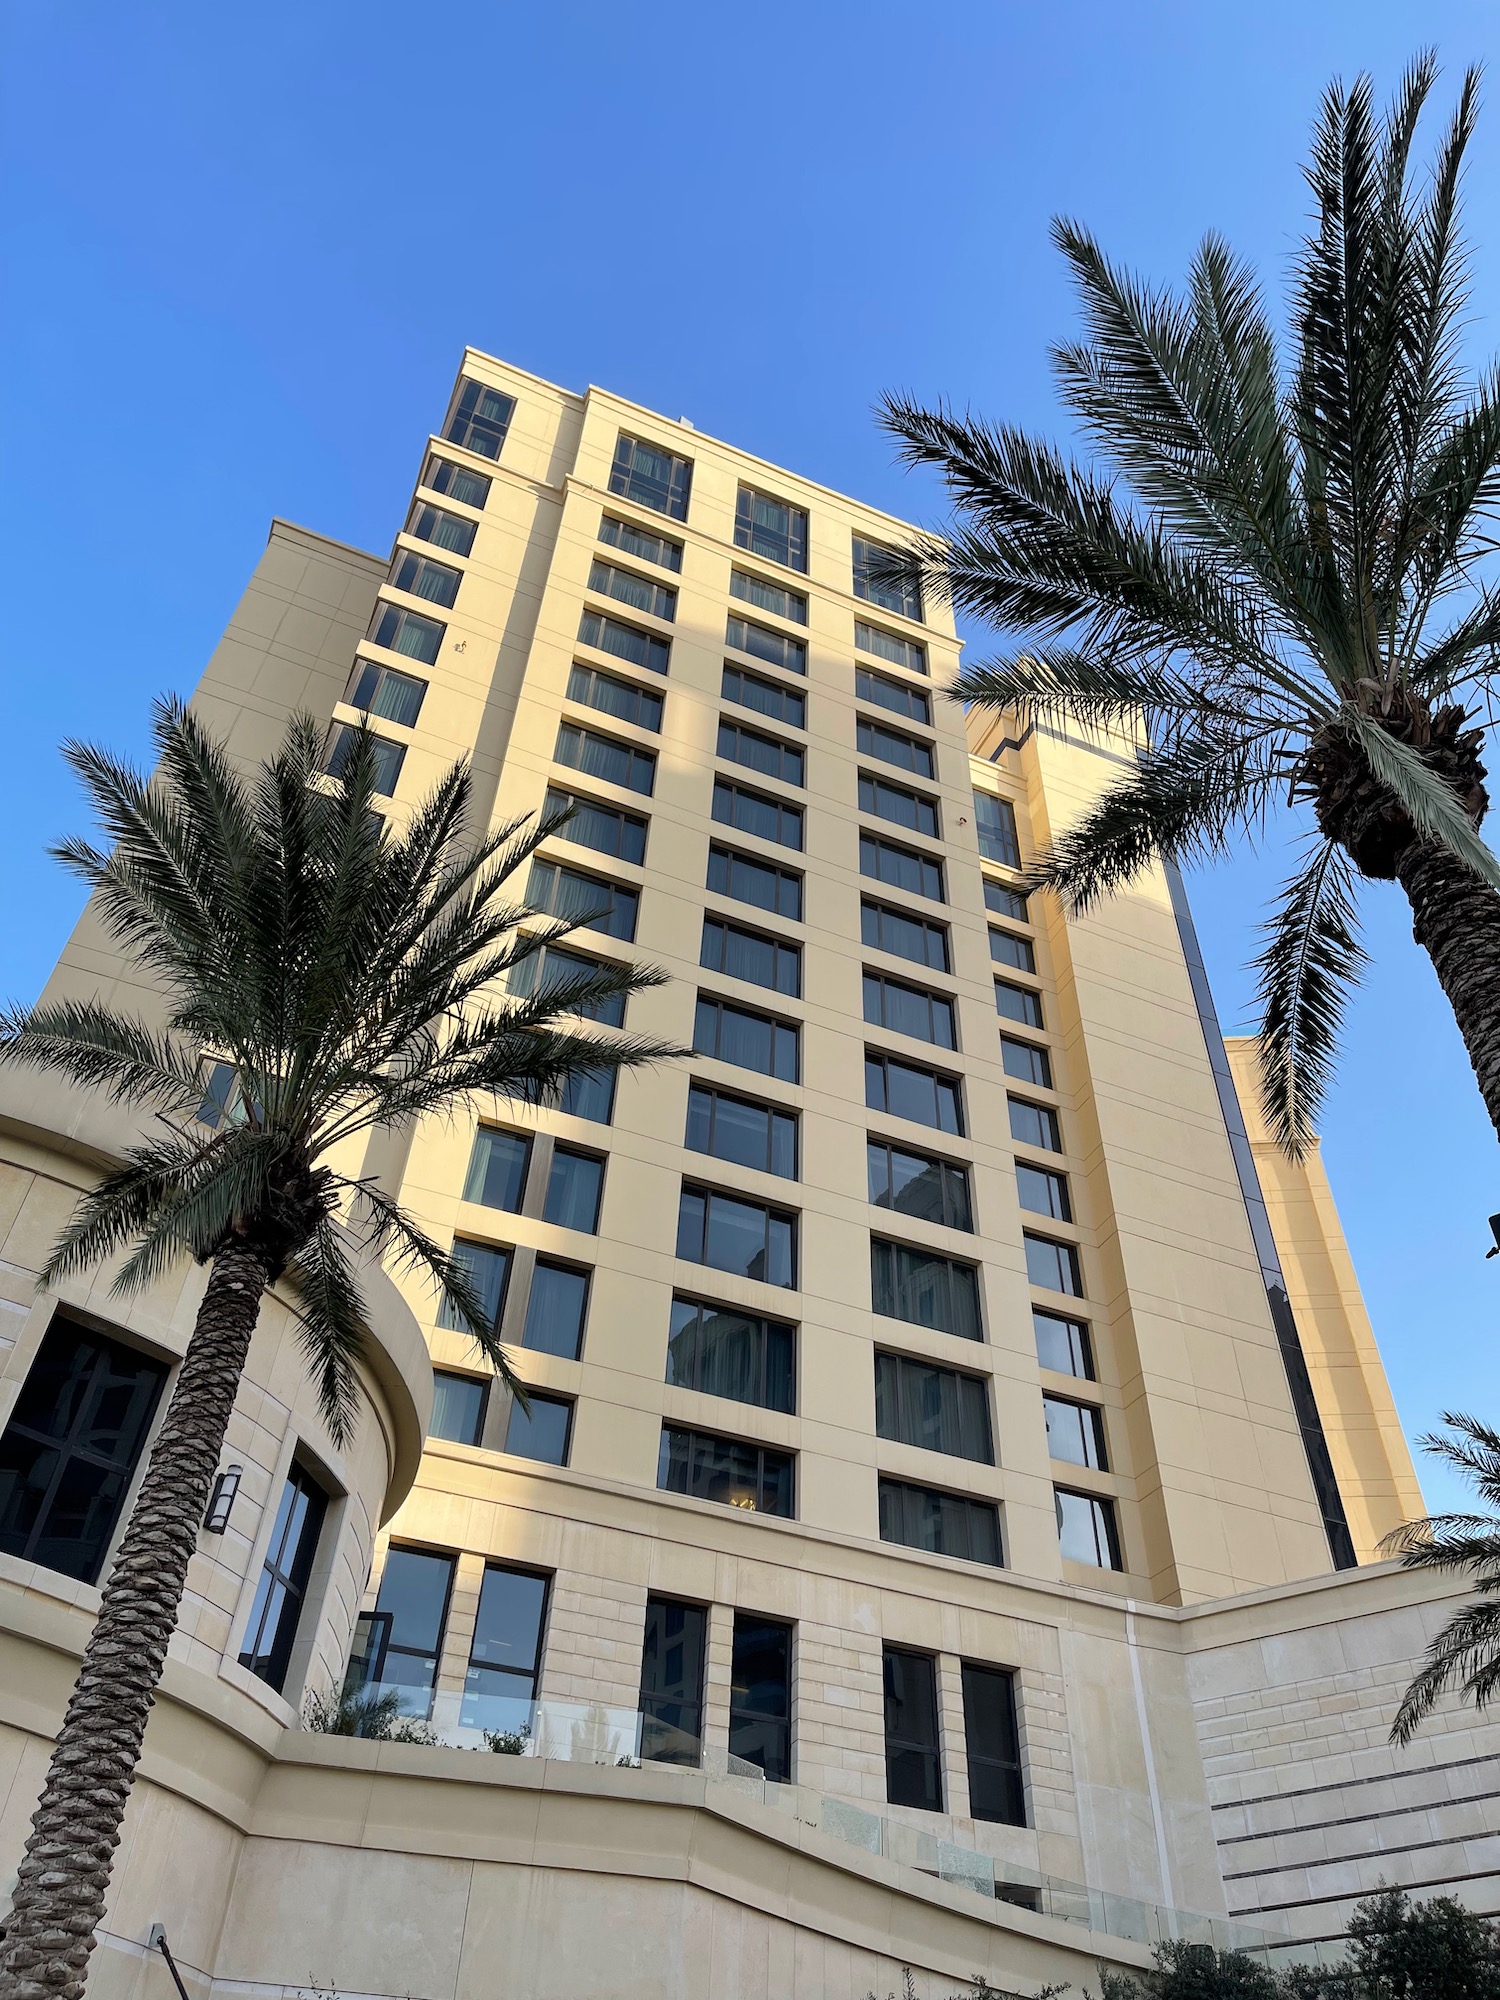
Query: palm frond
{"points": [[1464, 1657], [1433, 806], [98, 1049], [1311, 959], [330, 1312]]}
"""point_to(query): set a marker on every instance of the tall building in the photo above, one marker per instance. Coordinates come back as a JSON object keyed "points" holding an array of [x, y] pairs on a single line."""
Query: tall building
{"points": [[944, 1530]]}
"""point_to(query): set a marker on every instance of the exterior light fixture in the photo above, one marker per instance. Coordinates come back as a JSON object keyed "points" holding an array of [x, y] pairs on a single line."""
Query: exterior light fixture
{"points": [[1495, 1232], [216, 1520]]}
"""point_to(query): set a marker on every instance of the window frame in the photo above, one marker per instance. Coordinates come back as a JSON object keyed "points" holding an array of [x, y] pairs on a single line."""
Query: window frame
{"points": [[785, 640], [271, 1665], [945, 1166], [1010, 1767], [863, 645], [1069, 1260], [968, 1506], [868, 735], [677, 493], [640, 763], [672, 561], [698, 1435], [882, 847], [965, 1416], [784, 691], [728, 859], [791, 541], [661, 593], [720, 1004], [542, 1399], [480, 1382], [931, 995], [922, 801], [694, 1189], [764, 1322], [730, 928], [901, 1286], [699, 1087], [911, 703], [463, 427], [1102, 1513], [882, 595], [414, 563], [747, 1720], [643, 695], [653, 644], [793, 754], [788, 812], [937, 1077], [437, 467], [886, 915], [792, 604]]}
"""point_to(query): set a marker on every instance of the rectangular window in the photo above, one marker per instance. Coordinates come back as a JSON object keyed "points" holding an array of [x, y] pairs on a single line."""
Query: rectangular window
{"points": [[904, 597], [488, 1268], [883, 645], [651, 477], [459, 482], [900, 867], [386, 692], [553, 969], [768, 755], [944, 1524], [768, 596], [506, 1656], [770, 528], [772, 698], [729, 1471], [284, 1574], [1075, 1433], [1053, 1266], [924, 1289], [1063, 1344], [589, 1093], [457, 1407], [1018, 1003], [411, 1611], [908, 753], [482, 418], [1025, 1062], [757, 813], [444, 530], [884, 929], [896, 804], [606, 829], [916, 1184], [407, 632], [606, 758], [909, 1010], [1006, 948], [575, 1187], [762, 883], [1006, 902], [612, 696], [993, 1744], [1086, 1529], [497, 1169], [744, 1133], [642, 593], [735, 1035], [760, 1695], [721, 1351], [935, 1409], [777, 649], [556, 1310], [906, 1090], [672, 1655], [543, 1432], [420, 576], [634, 541], [995, 824], [910, 702], [913, 1762], [588, 900], [746, 1237], [626, 642], [387, 757], [750, 955], [1034, 1125], [1043, 1192]]}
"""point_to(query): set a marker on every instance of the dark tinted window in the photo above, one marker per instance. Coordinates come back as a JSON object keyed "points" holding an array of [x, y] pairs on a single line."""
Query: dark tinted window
{"points": [[385, 691], [481, 419], [589, 1093], [770, 528], [612, 696], [935, 1409], [573, 1189], [672, 1681], [916, 1184], [904, 936], [896, 804], [757, 813], [913, 1765], [407, 632], [729, 1471], [606, 829], [554, 968], [589, 900], [1006, 902], [738, 1130], [285, 1570], [760, 1695], [909, 1010], [444, 530], [883, 645], [641, 542], [497, 1169], [750, 955], [1034, 1125], [767, 755], [768, 596], [901, 867], [925, 1289], [1043, 1193], [457, 1407], [422, 577], [506, 1655], [906, 1091], [896, 696], [1053, 1266], [1018, 1003], [387, 757], [904, 597], [412, 1610], [742, 1236], [725, 1352], [651, 477], [459, 482], [1075, 1433], [626, 586], [605, 757], [759, 882], [556, 1310], [1063, 1344], [543, 1431], [750, 1041], [944, 1524], [908, 753], [782, 704], [626, 642], [995, 824], [779, 649], [1025, 1062], [1006, 948], [488, 1269], [1086, 1529], [993, 1744]]}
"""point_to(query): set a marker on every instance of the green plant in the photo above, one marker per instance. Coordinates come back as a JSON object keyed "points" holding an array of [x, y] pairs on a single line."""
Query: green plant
{"points": [[363, 1712], [1185, 1971], [508, 1742]]}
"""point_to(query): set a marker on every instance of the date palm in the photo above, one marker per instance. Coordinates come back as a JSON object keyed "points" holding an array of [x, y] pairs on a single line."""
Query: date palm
{"points": [[350, 975], [1272, 569]]}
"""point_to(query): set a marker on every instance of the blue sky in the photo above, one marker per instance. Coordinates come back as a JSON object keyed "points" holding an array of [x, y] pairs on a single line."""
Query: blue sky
{"points": [[243, 249]]}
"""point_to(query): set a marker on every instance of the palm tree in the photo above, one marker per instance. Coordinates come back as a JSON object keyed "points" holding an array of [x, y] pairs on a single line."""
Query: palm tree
{"points": [[348, 974], [1466, 1653], [1271, 570]]}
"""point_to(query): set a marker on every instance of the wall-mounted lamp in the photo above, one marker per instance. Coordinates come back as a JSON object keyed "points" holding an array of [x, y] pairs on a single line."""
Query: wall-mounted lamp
{"points": [[1495, 1232], [216, 1520]]}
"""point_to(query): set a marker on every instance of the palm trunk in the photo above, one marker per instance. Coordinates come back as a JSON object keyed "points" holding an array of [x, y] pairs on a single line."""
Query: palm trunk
{"points": [[1457, 923], [65, 1873]]}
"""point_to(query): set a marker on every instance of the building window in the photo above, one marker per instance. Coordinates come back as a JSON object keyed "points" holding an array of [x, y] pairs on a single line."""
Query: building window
{"points": [[459, 482], [935, 1409], [913, 1763], [900, 867], [556, 1310], [420, 576], [1086, 1529], [1043, 1193], [410, 1614], [641, 593], [721, 1351], [904, 597], [746, 1237], [409, 633], [909, 1010], [497, 1169], [626, 642], [760, 1695], [458, 1403], [1006, 902], [916, 1184], [605, 758], [1018, 1003], [944, 1524], [910, 702], [634, 541], [1025, 1062], [731, 1472], [896, 804], [757, 813], [575, 1187], [1034, 1125], [995, 823], [481, 419], [884, 645], [749, 955], [612, 696], [908, 753], [1006, 948], [651, 477], [444, 530], [542, 1432], [587, 900], [387, 757], [917, 938], [768, 596], [506, 1656], [590, 1094], [385, 692], [777, 649], [924, 1289], [993, 1743], [553, 969], [762, 883], [487, 1267], [748, 1040], [1053, 1266], [70, 1448], [746, 1134], [768, 755], [772, 698], [1063, 1344], [672, 1654], [1075, 1433], [770, 528], [285, 1572], [606, 829], [905, 1090]]}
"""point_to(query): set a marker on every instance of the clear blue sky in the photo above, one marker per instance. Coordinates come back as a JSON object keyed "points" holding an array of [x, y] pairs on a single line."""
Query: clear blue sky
{"points": [[245, 246]]}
